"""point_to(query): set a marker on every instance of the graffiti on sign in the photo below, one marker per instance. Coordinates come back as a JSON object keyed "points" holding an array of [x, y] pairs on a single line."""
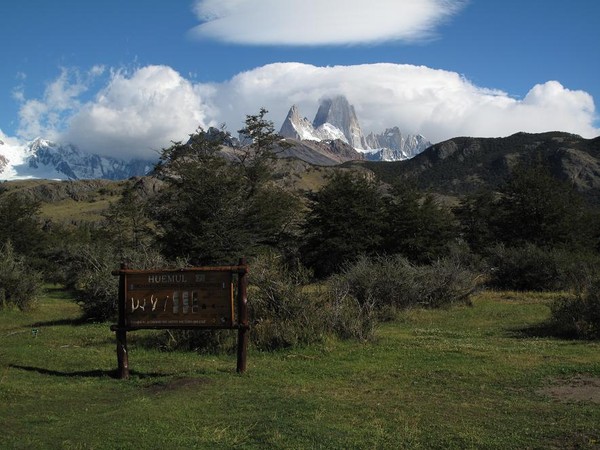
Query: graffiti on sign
{"points": [[172, 299]]}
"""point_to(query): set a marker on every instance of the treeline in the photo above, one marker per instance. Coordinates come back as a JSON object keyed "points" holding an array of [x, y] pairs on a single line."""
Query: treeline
{"points": [[335, 261]]}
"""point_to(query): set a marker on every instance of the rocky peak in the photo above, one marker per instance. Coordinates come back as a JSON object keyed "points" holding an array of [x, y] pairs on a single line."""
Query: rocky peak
{"points": [[392, 145], [297, 127], [336, 120], [338, 112]]}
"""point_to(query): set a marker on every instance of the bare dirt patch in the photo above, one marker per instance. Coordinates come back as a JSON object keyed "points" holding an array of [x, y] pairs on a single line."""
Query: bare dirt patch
{"points": [[577, 389], [177, 384]]}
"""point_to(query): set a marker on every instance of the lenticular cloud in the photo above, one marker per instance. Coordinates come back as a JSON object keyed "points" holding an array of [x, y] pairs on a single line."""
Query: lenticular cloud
{"points": [[320, 22]]}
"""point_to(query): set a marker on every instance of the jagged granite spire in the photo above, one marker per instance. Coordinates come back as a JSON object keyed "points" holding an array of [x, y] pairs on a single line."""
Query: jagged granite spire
{"points": [[336, 120], [297, 127], [392, 145], [338, 112]]}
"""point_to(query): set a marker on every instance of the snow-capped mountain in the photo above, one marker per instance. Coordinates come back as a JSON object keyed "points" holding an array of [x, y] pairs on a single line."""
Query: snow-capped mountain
{"points": [[300, 128], [392, 145], [336, 119], [340, 114], [44, 159]]}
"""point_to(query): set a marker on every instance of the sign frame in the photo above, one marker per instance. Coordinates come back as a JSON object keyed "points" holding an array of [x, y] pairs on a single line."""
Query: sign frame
{"points": [[189, 298]]}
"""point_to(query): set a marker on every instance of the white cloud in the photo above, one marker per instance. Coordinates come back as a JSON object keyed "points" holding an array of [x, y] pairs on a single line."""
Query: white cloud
{"points": [[135, 116], [320, 22], [436, 103], [46, 117]]}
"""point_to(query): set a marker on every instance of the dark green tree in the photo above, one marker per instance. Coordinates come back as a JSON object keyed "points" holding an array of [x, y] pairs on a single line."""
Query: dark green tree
{"points": [[476, 215], [534, 207], [260, 144], [20, 286], [417, 226], [215, 209], [20, 223], [127, 224], [345, 221]]}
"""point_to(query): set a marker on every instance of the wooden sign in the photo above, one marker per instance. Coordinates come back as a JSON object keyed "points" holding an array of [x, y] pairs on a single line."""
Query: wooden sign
{"points": [[172, 299], [198, 297]]}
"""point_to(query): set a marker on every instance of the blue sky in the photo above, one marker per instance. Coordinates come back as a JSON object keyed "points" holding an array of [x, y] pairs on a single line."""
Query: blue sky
{"points": [[127, 76]]}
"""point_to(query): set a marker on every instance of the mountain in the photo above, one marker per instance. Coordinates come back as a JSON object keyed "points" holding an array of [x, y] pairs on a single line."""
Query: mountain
{"points": [[464, 165], [320, 153], [301, 129], [391, 145], [41, 158], [336, 120], [339, 113]]}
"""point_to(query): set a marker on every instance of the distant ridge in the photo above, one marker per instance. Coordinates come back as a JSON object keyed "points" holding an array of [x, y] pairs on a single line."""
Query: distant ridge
{"points": [[336, 119], [41, 158], [464, 165]]}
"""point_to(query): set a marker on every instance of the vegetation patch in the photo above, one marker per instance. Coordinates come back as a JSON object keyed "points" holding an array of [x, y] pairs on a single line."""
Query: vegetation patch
{"points": [[434, 377]]}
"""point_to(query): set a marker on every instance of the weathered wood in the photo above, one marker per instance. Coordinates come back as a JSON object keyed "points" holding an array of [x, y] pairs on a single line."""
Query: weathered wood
{"points": [[122, 355], [145, 298], [242, 304]]}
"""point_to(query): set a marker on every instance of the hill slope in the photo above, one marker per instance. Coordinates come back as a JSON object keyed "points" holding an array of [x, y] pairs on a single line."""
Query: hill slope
{"points": [[462, 165]]}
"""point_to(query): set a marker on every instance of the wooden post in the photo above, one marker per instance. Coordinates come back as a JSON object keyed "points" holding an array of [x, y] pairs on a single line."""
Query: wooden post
{"points": [[122, 356], [242, 306]]}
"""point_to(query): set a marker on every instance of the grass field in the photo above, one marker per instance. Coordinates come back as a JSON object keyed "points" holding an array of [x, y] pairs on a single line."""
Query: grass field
{"points": [[469, 377]]}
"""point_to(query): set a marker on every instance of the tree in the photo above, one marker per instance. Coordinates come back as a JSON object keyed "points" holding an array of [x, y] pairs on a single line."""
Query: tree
{"points": [[417, 227], [197, 212], [213, 209], [127, 224], [345, 221], [536, 208], [259, 150], [20, 286], [476, 215], [20, 223]]}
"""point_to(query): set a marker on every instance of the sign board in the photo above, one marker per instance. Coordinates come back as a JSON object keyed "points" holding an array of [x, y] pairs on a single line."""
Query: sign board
{"points": [[197, 297], [171, 299]]}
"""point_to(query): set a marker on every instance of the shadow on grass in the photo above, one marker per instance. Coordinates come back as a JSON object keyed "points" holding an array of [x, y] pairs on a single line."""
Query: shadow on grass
{"points": [[59, 322], [86, 373], [541, 330]]}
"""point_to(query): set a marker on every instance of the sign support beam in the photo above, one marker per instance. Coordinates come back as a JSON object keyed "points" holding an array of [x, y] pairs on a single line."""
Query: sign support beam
{"points": [[242, 305]]}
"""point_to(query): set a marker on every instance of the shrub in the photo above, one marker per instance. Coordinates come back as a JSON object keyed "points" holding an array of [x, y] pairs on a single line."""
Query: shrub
{"points": [[533, 268], [578, 315], [351, 318], [19, 285], [284, 311], [89, 274], [389, 284]]}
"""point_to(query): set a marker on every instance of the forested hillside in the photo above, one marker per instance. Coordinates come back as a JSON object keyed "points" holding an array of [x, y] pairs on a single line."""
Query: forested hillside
{"points": [[465, 165], [523, 217]]}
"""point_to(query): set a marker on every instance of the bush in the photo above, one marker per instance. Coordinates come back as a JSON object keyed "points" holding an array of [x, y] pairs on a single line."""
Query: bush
{"points": [[532, 268], [389, 284], [89, 274], [351, 318], [19, 285], [284, 311], [578, 315]]}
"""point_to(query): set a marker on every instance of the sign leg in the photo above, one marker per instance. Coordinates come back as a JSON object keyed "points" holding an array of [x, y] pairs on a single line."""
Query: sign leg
{"points": [[122, 356]]}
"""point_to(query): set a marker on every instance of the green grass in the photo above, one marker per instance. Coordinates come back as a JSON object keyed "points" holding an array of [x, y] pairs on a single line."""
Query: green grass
{"points": [[468, 377]]}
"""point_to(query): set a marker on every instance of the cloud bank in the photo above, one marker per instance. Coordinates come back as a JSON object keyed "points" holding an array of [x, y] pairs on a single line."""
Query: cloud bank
{"points": [[320, 22], [136, 114], [436, 103]]}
